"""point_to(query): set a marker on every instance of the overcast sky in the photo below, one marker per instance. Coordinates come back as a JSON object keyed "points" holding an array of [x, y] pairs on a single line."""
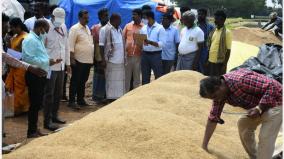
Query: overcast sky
{"points": [[270, 4]]}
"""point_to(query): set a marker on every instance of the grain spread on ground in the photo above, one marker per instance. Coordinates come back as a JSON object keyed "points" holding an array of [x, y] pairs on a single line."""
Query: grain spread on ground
{"points": [[162, 120], [254, 36]]}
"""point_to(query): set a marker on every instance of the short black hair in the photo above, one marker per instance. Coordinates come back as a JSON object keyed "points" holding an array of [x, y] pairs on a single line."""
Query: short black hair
{"points": [[15, 22], [52, 7], [168, 16], [5, 18], [102, 11], [184, 9], [82, 12], [202, 10], [114, 16], [40, 23], [146, 7], [137, 11], [209, 85], [220, 13], [149, 14]]}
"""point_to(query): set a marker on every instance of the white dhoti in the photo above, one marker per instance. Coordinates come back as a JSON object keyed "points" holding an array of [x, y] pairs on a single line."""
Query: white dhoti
{"points": [[115, 80]]}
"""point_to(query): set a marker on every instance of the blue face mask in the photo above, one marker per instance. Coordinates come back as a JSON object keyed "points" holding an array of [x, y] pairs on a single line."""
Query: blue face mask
{"points": [[145, 21]]}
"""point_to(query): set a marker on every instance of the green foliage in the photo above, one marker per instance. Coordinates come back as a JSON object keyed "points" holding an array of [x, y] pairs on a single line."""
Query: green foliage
{"points": [[234, 8]]}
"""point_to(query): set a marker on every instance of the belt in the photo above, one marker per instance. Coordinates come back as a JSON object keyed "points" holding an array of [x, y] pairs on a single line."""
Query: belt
{"points": [[152, 52]]}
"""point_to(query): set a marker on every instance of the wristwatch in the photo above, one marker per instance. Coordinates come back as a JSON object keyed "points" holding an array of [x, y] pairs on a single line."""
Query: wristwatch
{"points": [[259, 110]]}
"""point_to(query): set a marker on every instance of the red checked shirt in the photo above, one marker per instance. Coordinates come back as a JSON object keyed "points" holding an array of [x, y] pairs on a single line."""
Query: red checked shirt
{"points": [[247, 90]]}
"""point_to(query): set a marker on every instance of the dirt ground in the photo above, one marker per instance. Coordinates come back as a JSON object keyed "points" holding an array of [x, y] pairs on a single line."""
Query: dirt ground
{"points": [[16, 127]]}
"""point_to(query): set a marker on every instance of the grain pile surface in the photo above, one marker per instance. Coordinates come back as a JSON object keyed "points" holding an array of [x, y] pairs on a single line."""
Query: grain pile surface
{"points": [[254, 36], [162, 120]]}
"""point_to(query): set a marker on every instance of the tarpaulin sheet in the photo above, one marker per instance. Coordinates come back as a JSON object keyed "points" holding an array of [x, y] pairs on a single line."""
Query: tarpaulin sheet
{"points": [[122, 7], [268, 62]]}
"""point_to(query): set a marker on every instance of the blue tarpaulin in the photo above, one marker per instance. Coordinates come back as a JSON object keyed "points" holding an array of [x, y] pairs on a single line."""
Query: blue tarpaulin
{"points": [[122, 7]]}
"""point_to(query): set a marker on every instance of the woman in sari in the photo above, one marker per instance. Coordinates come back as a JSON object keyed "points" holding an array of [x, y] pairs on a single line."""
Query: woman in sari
{"points": [[15, 81]]}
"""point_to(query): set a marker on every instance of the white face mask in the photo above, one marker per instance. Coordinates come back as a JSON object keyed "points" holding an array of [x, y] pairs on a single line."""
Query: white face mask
{"points": [[43, 35], [145, 21], [57, 24]]}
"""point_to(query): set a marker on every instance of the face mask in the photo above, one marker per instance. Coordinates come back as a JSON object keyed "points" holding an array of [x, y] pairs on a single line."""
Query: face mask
{"points": [[145, 21], [43, 35], [57, 24]]}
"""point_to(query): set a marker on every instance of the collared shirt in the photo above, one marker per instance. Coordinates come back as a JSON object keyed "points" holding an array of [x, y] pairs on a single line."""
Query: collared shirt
{"points": [[117, 41], [189, 40], [247, 90], [57, 46], [34, 51], [214, 48], [128, 32], [95, 29], [169, 50], [81, 43], [206, 28], [31, 22], [154, 33]]}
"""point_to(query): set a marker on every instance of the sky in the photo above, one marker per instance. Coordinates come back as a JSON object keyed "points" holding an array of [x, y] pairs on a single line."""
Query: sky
{"points": [[270, 4]]}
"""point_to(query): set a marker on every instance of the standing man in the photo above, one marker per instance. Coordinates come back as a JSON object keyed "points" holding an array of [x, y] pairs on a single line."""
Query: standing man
{"points": [[260, 95], [133, 50], [191, 44], [219, 44], [207, 28], [112, 49], [152, 48], [39, 9], [99, 82], [34, 53], [57, 48], [178, 23], [170, 51], [82, 58]]}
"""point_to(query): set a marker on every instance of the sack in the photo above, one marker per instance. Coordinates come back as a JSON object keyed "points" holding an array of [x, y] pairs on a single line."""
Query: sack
{"points": [[9, 105]]}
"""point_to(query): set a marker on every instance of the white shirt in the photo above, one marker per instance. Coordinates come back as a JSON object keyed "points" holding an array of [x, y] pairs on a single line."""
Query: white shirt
{"points": [[31, 22], [81, 43], [118, 52], [57, 46], [189, 40], [154, 33]]}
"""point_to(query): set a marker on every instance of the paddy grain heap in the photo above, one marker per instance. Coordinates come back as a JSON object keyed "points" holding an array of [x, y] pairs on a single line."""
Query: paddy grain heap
{"points": [[163, 120]]}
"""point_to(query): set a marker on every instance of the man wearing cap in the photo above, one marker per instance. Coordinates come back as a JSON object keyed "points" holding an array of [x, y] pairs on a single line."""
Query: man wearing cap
{"points": [[57, 48], [275, 21], [191, 43]]}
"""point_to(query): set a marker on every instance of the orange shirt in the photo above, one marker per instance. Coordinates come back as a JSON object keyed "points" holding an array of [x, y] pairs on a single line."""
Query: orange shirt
{"points": [[128, 33]]}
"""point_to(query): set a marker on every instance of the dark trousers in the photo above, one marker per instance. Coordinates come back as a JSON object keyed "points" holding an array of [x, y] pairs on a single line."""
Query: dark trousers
{"points": [[151, 61], [52, 94], [80, 75], [167, 66], [99, 83], [35, 88], [64, 94], [215, 69]]}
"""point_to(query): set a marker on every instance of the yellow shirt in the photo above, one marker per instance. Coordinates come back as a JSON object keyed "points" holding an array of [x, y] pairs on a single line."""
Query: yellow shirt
{"points": [[213, 52], [81, 43], [16, 42]]}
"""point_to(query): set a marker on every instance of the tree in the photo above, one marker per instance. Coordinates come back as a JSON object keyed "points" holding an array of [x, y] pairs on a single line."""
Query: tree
{"points": [[240, 8]]}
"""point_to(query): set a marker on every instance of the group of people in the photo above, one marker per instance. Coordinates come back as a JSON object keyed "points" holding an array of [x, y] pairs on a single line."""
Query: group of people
{"points": [[119, 59]]}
